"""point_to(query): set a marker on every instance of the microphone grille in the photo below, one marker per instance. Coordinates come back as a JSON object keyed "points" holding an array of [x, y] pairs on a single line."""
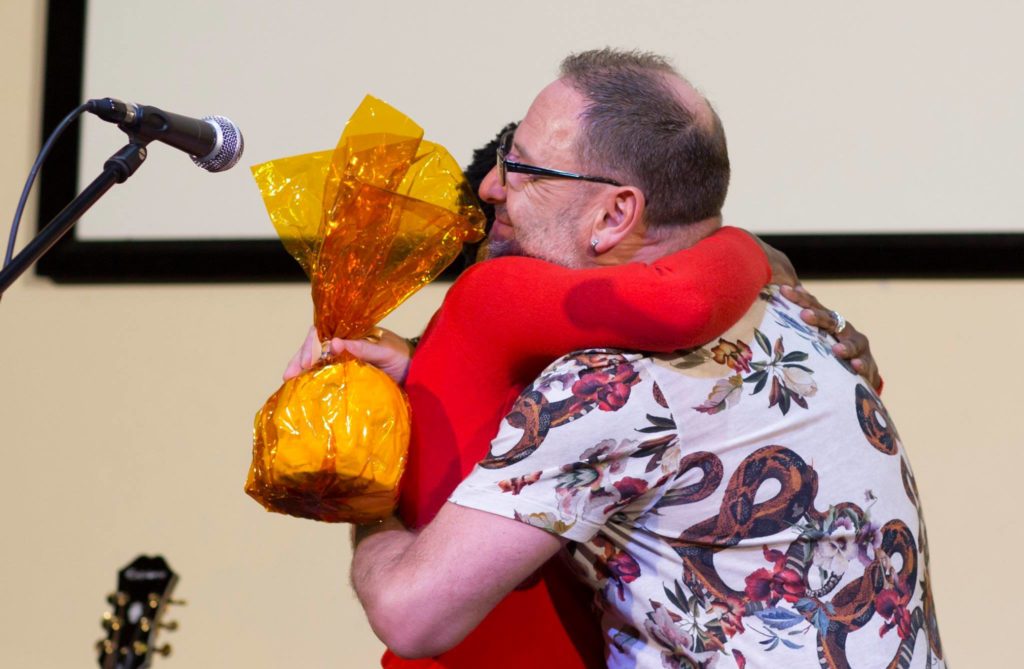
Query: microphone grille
{"points": [[228, 149]]}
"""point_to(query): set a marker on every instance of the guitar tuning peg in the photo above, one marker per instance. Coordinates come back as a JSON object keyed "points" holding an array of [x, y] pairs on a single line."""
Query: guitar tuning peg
{"points": [[117, 598], [164, 650], [105, 646], [154, 601], [170, 625]]}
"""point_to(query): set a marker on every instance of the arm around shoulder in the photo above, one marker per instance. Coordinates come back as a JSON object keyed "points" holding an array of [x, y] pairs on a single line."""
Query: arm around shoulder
{"points": [[680, 300]]}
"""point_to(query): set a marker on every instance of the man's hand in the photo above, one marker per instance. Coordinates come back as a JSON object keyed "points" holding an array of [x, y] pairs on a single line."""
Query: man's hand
{"points": [[387, 351], [853, 345]]}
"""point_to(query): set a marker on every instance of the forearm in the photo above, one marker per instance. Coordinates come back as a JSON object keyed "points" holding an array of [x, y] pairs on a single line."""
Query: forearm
{"points": [[681, 300], [424, 592]]}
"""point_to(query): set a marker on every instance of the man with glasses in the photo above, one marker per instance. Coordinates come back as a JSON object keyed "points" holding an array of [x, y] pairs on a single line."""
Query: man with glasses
{"points": [[709, 527]]}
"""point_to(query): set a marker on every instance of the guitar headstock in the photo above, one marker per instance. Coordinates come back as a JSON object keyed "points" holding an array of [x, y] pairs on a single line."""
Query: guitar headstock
{"points": [[143, 591]]}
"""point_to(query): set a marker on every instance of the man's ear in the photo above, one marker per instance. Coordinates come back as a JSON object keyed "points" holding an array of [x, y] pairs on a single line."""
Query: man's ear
{"points": [[621, 215]]}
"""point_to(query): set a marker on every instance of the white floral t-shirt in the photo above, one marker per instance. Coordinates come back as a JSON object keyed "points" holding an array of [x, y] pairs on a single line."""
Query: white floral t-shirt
{"points": [[745, 502]]}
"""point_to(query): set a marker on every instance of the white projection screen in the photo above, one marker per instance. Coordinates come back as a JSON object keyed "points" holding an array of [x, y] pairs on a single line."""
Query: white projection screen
{"points": [[873, 139]]}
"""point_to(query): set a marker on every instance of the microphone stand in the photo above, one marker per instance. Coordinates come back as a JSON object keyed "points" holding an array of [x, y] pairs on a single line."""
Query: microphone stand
{"points": [[116, 170]]}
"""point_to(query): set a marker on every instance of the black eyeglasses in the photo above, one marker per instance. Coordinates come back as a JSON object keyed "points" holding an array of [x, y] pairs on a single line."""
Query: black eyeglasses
{"points": [[505, 166]]}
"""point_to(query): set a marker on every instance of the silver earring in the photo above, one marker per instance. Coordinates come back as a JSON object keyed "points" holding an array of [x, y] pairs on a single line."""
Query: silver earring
{"points": [[593, 244]]}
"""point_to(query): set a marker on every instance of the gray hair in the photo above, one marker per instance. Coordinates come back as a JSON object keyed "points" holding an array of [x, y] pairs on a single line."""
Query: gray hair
{"points": [[636, 129]]}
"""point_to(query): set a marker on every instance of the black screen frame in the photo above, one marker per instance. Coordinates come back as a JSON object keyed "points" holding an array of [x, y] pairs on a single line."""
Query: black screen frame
{"points": [[73, 260]]}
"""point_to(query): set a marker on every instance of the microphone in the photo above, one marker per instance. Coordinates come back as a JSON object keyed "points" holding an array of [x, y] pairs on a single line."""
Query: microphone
{"points": [[213, 142]]}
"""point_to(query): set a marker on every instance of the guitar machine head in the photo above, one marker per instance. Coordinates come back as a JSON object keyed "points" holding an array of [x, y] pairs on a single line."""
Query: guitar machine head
{"points": [[143, 592]]}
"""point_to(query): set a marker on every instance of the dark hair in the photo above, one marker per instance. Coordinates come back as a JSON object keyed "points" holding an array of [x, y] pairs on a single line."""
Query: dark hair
{"points": [[636, 129]]}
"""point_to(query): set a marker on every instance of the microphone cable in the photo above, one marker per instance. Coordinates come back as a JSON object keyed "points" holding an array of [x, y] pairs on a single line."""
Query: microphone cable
{"points": [[47, 146]]}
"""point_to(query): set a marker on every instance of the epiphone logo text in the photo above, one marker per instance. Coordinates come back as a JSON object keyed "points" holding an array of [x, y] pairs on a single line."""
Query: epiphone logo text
{"points": [[144, 575]]}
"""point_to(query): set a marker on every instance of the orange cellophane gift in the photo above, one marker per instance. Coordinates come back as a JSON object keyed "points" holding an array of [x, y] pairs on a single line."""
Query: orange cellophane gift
{"points": [[370, 223]]}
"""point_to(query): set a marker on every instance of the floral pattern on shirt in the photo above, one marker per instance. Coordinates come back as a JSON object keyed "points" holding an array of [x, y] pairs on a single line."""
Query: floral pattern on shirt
{"points": [[791, 381], [783, 531]]}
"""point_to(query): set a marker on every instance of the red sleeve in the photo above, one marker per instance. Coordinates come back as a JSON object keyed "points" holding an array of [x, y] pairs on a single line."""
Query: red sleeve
{"points": [[533, 309]]}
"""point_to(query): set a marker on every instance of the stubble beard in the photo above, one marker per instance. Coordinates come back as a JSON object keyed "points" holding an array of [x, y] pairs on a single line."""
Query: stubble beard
{"points": [[557, 249], [500, 248]]}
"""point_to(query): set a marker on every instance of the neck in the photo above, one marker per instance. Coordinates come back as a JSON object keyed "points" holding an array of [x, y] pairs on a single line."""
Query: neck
{"points": [[648, 244]]}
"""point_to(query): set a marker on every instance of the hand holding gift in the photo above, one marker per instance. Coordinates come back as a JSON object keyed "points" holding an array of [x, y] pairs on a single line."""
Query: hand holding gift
{"points": [[370, 223]]}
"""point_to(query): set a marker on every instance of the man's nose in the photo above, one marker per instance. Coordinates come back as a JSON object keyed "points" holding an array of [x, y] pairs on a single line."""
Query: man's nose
{"points": [[491, 190]]}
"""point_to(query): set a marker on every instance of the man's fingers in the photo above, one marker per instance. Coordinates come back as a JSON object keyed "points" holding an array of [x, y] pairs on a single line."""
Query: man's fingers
{"points": [[816, 314], [847, 350], [792, 294], [867, 368], [813, 312], [852, 342], [861, 366], [798, 295], [858, 352], [820, 318]]}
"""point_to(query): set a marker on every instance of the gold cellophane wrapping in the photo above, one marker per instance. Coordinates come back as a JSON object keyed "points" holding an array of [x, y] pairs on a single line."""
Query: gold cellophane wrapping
{"points": [[370, 223]]}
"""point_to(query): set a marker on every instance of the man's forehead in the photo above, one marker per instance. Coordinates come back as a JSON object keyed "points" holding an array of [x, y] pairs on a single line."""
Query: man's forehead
{"points": [[552, 121]]}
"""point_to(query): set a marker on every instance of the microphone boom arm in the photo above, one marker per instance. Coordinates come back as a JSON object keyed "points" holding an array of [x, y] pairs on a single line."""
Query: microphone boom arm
{"points": [[116, 170]]}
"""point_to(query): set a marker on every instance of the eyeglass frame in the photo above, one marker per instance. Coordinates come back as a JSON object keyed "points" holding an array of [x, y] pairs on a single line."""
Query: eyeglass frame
{"points": [[505, 166]]}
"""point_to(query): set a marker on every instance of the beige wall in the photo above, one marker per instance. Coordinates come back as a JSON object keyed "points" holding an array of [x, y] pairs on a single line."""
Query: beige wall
{"points": [[125, 429]]}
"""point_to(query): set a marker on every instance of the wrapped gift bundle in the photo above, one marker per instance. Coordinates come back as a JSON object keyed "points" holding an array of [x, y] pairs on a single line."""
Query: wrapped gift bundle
{"points": [[370, 222]]}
